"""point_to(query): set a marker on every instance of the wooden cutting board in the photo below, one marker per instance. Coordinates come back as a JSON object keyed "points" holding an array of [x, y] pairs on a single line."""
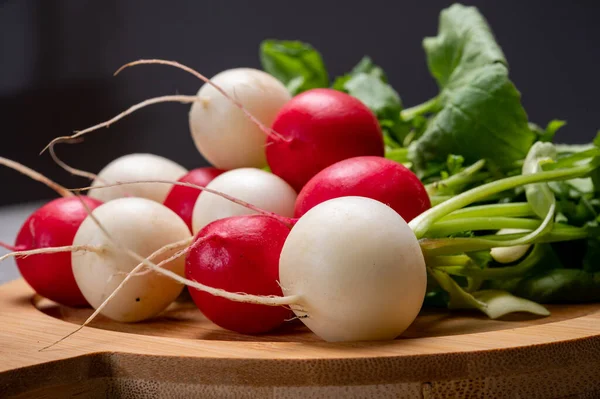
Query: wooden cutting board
{"points": [[181, 354]]}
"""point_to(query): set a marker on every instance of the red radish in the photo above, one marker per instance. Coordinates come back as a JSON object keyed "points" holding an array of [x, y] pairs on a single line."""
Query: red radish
{"points": [[319, 128], [53, 225], [378, 178], [181, 199], [239, 254]]}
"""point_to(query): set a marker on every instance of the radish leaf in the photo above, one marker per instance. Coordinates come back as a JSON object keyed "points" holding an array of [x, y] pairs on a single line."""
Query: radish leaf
{"points": [[298, 65], [480, 114]]}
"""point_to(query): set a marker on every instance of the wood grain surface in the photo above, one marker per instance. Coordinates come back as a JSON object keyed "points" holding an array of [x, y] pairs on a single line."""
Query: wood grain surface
{"points": [[180, 354]]}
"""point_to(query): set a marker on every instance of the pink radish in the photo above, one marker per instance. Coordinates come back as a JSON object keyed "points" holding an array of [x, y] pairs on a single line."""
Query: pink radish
{"points": [[319, 128], [372, 177], [239, 254], [181, 199], [54, 225]]}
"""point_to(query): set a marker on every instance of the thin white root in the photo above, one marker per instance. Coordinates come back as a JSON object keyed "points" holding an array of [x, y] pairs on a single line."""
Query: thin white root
{"points": [[35, 176], [271, 300], [265, 129], [133, 273], [53, 250], [163, 99], [70, 169], [176, 245], [287, 221]]}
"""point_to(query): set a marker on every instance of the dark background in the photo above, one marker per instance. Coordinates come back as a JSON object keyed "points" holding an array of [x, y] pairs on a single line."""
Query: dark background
{"points": [[57, 60]]}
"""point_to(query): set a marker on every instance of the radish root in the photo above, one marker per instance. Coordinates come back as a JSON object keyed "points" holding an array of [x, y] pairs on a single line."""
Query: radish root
{"points": [[134, 273], [289, 222], [70, 169], [268, 131], [53, 250], [175, 98], [35, 176], [270, 300], [10, 247]]}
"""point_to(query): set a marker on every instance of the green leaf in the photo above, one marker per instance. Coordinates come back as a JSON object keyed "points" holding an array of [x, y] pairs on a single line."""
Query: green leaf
{"points": [[368, 83], [591, 259], [379, 96], [561, 286], [596, 173], [464, 44], [494, 303], [298, 65], [481, 114], [482, 119]]}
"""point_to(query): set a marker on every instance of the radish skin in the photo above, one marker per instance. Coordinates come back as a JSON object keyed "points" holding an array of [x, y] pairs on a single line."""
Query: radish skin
{"points": [[135, 167], [52, 227], [357, 268], [181, 199], [255, 186], [144, 226], [239, 254], [373, 177], [223, 134], [319, 128]]}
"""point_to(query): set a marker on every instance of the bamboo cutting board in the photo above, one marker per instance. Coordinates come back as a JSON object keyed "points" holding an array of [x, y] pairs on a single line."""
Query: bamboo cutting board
{"points": [[182, 355]]}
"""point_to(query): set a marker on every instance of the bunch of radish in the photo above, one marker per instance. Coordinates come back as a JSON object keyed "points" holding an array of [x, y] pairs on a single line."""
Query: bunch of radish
{"points": [[324, 235]]}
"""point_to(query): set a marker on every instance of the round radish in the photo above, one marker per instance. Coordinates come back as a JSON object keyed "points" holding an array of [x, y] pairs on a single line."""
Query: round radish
{"points": [[136, 167], [181, 199], [357, 268], [373, 177], [53, 225], [223, 134], [255, 186], [144, 226], [319, 128], [239, 254]]}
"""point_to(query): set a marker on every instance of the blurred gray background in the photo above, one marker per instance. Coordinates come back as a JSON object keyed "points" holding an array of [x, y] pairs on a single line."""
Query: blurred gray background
{"points": [[57, 59]]}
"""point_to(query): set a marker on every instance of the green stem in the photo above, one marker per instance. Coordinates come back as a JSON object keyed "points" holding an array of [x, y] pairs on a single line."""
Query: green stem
{"points": [[449, 227], [428, 106], [449, 246], [421, 223], [506, 272], [513, 209], [399, 155], [465, 268], [466, 176]]}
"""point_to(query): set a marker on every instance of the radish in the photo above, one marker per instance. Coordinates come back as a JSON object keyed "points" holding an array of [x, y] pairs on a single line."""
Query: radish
{"points": [[181, 199], [134, 167], [357, 268], [222, 133], [319, 128], [351, 268], [45, 239], [373, 177], [239, 254], [145, 226], [222, 119], [255, 186]]}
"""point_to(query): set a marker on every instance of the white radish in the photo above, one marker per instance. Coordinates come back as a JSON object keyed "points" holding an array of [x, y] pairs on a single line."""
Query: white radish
{"points": [[255, 186], [136, 167], [144, 226], [222, 132], [357, 268]]}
